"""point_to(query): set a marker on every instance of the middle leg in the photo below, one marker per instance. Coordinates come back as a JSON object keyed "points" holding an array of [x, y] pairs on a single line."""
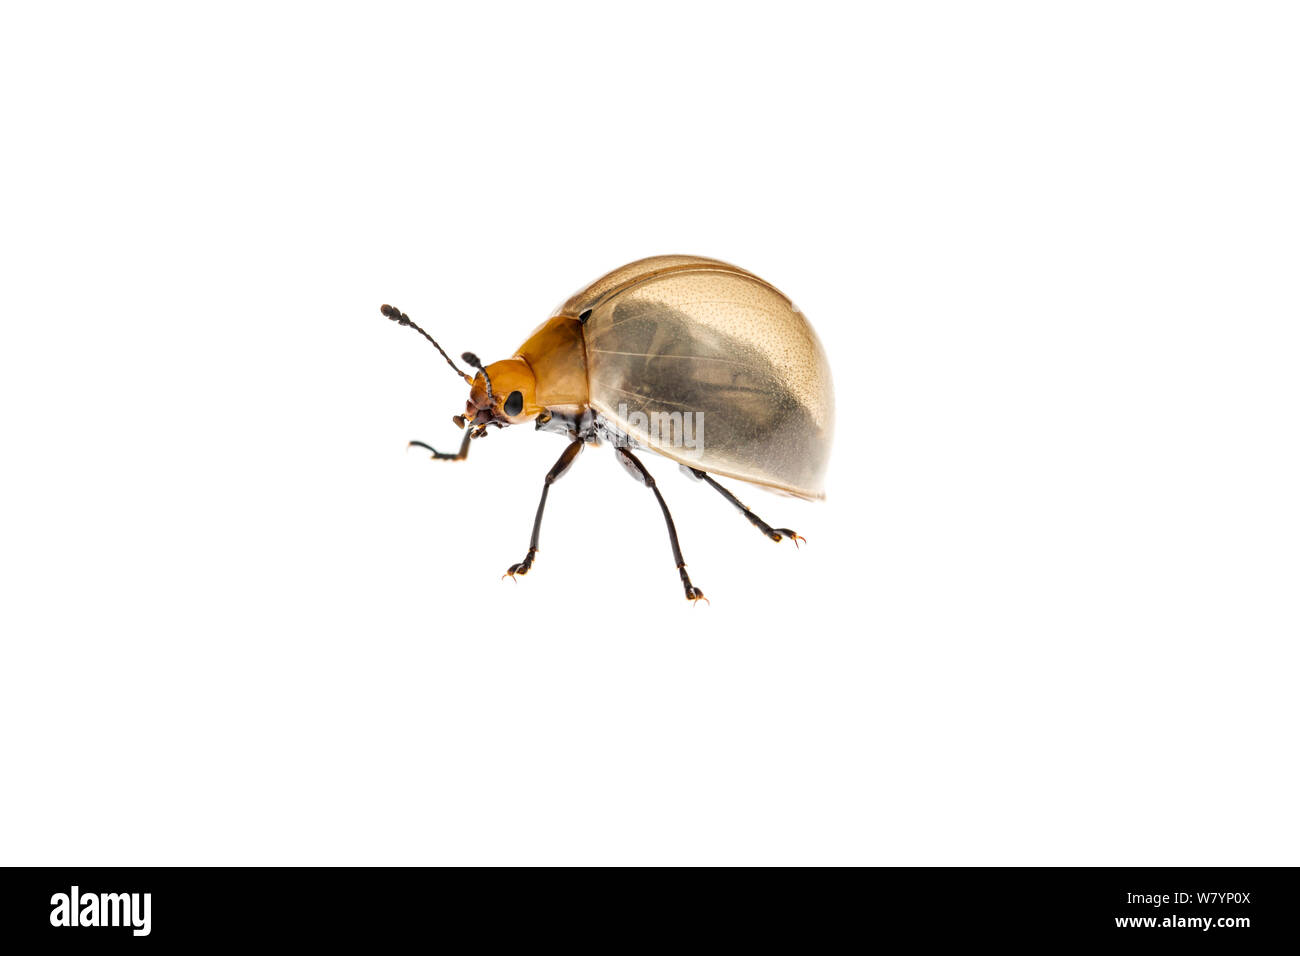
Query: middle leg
{"points": [[633, 467]]}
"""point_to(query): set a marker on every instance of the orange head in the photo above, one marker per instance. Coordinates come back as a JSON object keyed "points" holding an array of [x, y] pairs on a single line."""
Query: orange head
{"points": [[504, 393]]}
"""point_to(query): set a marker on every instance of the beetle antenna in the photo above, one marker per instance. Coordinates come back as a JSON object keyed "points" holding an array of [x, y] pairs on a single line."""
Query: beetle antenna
{"points": [[401, 318], [472, 359]]}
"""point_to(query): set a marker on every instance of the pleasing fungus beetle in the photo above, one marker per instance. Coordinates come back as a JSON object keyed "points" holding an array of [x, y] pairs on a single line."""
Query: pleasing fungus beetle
{"points": [[697, 360]]}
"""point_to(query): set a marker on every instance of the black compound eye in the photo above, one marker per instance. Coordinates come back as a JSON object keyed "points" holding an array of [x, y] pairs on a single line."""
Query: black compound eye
{"points": [[514, 403]]}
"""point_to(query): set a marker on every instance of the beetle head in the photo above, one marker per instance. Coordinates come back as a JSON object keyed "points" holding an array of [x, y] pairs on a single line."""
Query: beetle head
{"points": [[503, 393]]}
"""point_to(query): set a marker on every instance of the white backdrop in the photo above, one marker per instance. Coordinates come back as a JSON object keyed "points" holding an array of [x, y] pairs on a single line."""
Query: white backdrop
{"points": [[1048, 613]]}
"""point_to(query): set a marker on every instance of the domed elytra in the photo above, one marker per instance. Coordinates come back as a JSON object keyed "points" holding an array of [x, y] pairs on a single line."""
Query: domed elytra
{"points": [[704, 346]]}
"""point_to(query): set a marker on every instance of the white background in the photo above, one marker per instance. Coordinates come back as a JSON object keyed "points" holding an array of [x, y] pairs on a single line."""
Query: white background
{"points": [[1048, 613]]}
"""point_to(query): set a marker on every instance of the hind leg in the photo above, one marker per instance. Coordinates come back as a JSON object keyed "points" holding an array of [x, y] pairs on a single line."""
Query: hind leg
{"points": [[776, 534]]}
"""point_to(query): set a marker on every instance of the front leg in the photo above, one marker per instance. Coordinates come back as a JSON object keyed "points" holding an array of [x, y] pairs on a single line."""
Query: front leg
{"points": [[558, 469], [446, 456]]}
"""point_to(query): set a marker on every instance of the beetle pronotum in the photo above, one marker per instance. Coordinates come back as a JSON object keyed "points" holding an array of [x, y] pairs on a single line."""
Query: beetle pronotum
{"points": [[720, 356]]}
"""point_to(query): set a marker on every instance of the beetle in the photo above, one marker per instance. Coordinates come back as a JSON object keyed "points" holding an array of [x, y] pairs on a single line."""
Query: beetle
{"points": [[711, 354]]}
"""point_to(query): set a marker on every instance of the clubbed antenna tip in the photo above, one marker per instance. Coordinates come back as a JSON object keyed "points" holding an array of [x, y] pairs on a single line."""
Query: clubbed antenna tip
{"points": [[471, 359], [401, 318]]}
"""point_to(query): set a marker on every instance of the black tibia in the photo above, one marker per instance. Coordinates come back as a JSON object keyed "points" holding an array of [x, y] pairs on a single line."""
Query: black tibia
{"points": [[446, 456], [558, 469], [632, 465], [776, 534]]}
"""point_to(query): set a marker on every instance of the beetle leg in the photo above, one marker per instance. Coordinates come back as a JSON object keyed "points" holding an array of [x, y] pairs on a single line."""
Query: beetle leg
{"points": [[776, 534], [558, 469], [442, 455], [632, 465]]}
